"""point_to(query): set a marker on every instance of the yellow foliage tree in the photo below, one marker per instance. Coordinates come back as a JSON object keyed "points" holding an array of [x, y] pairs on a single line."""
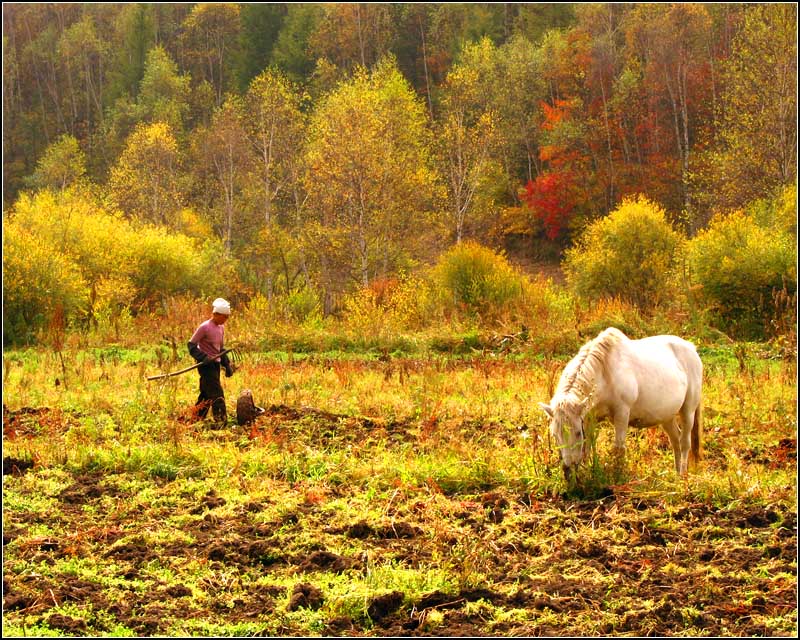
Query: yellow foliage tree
{"points": [[144, 183], [369, 176]]}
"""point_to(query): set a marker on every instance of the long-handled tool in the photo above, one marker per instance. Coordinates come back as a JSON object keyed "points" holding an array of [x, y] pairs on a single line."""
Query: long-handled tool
{"points": [[194, 366]]}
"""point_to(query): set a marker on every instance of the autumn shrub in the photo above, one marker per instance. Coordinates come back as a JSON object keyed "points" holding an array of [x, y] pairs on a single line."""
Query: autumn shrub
{"points": [[740, 267], [293, 308], [99, 264], [612, 312], [37, 282], [110, 300], [545, 314], [388, 307], [547, 301], [164, 264], [779, 212], [364, 316], [302, 305], [475, 279], [632, 254]]}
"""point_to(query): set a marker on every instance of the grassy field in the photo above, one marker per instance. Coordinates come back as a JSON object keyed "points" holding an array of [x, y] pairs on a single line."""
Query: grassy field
{"points": [[386, 494]]}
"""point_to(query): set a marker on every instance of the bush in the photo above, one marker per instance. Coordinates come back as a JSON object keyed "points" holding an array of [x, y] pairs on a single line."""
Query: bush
{"points": [[96, 263], [38, 282], [741, 268], [631, 254], [165, 264], [612, 312], [779, 213], [477, 279], [387, 307]]}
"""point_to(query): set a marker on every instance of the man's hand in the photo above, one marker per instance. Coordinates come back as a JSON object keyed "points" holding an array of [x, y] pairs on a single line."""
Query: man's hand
{"points": [[229, 369]]}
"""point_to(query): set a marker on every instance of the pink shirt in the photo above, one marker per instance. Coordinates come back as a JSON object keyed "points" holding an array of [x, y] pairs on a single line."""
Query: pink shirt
{"points": [[209, 337]]}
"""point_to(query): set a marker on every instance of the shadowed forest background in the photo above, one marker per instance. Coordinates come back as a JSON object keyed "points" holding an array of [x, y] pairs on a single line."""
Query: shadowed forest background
{"points": [[399, 165]]}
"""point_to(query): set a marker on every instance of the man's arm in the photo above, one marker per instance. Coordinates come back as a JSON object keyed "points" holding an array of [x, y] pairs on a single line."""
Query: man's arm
{"points": [[197, 354]]}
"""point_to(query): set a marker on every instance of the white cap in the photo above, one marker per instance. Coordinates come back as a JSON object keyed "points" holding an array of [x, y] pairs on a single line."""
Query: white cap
{"points": [[221, 306]]}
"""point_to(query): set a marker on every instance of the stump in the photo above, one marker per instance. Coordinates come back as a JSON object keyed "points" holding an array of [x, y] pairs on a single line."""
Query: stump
{"points": [[246, 409]]}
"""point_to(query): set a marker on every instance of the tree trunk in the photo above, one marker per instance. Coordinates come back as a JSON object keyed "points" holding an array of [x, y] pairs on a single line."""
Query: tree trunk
{"points": [[360, 36], [611, 186], [425, 67]]}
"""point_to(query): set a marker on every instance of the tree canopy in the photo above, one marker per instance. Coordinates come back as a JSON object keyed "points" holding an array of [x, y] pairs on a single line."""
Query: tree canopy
{"points": [[323, 147]]}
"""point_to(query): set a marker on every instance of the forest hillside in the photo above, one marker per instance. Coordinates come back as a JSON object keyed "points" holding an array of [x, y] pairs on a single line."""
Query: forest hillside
{"points": [[303, 153]]}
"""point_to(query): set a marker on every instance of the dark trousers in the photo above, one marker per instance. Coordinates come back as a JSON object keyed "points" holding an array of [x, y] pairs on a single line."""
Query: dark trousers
{"points": [[211, 393]]}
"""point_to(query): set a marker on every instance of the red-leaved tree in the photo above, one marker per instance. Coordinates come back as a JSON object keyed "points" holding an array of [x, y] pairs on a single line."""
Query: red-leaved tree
{"points": [[551, 198], [552, 195]]}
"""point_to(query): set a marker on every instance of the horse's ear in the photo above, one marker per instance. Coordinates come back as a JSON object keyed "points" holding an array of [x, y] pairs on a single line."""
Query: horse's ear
{"points": [[546, 408]]}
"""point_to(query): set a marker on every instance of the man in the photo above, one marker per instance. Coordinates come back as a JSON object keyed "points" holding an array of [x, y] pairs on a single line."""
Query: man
{"points": [[205, 347]]}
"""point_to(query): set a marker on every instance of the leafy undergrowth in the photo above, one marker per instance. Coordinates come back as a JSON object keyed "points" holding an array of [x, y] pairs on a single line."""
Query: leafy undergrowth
{"points": [[403, 499]]}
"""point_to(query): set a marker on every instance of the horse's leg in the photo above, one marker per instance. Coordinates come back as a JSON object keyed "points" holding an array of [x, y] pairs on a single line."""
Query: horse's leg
{"points": [[620, 418], [687, 419], [674, 433]]}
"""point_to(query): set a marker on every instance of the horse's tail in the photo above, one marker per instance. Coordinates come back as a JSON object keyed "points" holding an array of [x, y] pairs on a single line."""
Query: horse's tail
{"points": [[697, 432]]}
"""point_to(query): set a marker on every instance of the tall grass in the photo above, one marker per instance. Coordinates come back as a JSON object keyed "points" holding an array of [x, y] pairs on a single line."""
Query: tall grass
{"points": [[467, 424]]}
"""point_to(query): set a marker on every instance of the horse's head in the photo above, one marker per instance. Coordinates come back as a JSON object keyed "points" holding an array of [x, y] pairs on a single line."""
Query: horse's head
{"points": [[566, 427]]}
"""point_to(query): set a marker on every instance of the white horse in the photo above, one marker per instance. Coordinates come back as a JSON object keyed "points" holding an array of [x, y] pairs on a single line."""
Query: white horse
{"points": [[638, 383]]}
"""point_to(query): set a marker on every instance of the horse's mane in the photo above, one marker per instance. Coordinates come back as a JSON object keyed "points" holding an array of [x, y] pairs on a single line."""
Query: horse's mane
{"points": [[580, 373]]}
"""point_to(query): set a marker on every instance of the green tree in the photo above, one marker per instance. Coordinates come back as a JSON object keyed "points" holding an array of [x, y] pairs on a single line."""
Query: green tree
{"points": [[135, 32], [223, 161], [85, 57], [413, 50], [211, 39], [517, 92], [670, 44], [535, 19], [163, 97], [163, 92], [275, 129], [354, 33], [467, 133], [62, 165], [291, 53], [261, 24], [633, 253], [454, 25], [602, 23]]}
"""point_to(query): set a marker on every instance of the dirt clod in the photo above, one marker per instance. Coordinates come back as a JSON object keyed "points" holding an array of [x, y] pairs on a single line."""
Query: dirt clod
{"points": [[305, 595], [382, 606]]}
